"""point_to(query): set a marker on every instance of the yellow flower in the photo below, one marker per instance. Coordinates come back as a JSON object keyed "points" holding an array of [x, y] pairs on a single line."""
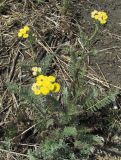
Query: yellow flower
{"points": [[56, 87], [51, 78], [45, 90], [101, 16], [44, 84], [36, 70], [23, 32], [25, 35], [94, 13], [96, 17], [37, 92], [41, 78], [105, 16], [26, 28], [36, 89], [39, 83], [34, 73], [35, 86], [103, 21], [20, 34], [51, 87], [39, 69]]}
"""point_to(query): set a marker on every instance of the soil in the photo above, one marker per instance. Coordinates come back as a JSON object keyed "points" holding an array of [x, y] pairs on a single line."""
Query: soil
{"points": [[108, 44]]}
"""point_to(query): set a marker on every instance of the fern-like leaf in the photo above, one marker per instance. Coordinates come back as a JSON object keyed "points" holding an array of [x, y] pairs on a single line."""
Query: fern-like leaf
{"points": [[94, 106], [70, 131]]}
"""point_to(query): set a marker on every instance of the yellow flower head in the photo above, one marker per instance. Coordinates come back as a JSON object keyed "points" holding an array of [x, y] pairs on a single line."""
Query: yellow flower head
{"points": [[94, 13], [25, 35], [26, 28], [44, 84], [36, 70], [48, 85], [45, 90], [56, 87], [41, 78], [100, 16], [51, 78], [23, 32], [36, 89]]}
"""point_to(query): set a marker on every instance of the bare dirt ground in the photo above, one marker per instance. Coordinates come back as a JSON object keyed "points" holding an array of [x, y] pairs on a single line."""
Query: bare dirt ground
{"points": [[108, 44], [104, 66]]}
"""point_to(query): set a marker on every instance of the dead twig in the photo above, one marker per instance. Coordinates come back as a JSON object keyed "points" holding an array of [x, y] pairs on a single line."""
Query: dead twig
{"points": [[13, 65], [15, 153]]}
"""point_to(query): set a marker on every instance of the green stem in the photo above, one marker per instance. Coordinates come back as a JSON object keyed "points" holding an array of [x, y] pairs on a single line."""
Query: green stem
{"points": [[95, 32]]}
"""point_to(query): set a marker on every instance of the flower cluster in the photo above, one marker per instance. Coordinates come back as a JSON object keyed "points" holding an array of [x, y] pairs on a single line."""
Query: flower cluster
{"points": [[45, 85], [36, 71], [23, 32], [101, 16]]}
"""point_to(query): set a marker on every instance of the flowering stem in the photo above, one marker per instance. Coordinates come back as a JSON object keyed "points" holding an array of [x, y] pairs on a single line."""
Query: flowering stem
{"points": [[95, 32]]}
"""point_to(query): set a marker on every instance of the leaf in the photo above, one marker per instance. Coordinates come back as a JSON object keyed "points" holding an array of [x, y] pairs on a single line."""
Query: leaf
{"points": [[50, 122], [94, 105], [70, 131], [31, 157], [65, 95]]}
